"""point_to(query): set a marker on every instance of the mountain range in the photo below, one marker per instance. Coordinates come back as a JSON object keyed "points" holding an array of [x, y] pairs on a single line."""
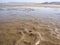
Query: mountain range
{"points": [[51, 3]]}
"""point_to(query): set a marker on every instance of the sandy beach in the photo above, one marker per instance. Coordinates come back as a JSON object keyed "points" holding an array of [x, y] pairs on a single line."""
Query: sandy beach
{"points": [[16, 30], [33, 5]]}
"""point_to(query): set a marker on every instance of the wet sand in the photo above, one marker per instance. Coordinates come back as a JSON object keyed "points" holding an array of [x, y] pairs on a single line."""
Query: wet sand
{"points": [[33, 5], [28, 32]]}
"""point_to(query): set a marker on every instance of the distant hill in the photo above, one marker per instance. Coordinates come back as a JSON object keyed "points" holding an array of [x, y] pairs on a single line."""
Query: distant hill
{"points": [[51, 3]]}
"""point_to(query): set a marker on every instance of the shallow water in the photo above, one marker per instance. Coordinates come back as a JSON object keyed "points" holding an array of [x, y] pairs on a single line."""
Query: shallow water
{"points": [[28, 12], [25, 13]]}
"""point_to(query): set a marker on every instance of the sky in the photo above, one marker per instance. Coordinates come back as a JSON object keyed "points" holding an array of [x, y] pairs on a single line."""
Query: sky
{"points": [[37, 1]]}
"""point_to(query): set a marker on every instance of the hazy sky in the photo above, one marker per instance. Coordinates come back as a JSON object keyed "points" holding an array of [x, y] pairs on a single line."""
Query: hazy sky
{"points": [[27, 0]]}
